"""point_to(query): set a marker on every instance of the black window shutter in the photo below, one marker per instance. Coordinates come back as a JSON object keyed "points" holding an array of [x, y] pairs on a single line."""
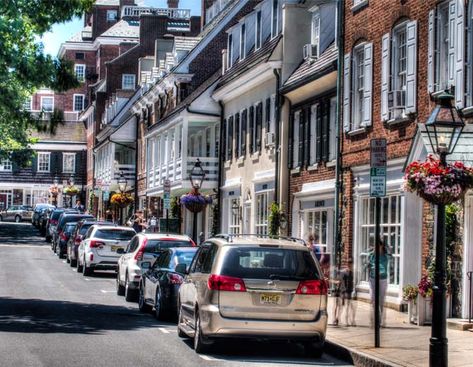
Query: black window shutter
{"points": [[237, 135], [15, 167], [223, 132], [290, 155], [34, 163], [307, 142], [259, 124], [325, 130], [301, 140], [268, 114], [244, 123], [230, 138], [56, 158], [318, 134], [78, 167], [252, 129]]}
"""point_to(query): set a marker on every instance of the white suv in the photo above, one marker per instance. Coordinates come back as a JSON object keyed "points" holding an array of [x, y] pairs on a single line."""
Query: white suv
{"points": [[247, 286], [143, 247], [99, 247]]}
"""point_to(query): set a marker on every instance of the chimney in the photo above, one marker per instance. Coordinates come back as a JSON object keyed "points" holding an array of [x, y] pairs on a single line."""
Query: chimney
{"points": [[173, 4]]}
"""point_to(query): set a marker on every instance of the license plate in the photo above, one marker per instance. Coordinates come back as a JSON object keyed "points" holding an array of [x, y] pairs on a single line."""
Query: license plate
{"points": [[270, 299], [115, 248]]}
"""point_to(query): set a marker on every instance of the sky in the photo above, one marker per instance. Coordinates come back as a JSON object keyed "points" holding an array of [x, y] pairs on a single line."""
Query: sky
{"points": [[62, 32]]}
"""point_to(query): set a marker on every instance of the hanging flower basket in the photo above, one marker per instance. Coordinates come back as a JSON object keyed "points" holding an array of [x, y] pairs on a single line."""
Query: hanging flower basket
{"points": [[71, 190], [121, 199], [195, 202], [437, 184]]}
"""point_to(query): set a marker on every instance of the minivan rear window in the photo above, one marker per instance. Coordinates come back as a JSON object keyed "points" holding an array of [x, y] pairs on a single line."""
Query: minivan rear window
{"points": [[114, 234], [269, 263], [159, 245]]}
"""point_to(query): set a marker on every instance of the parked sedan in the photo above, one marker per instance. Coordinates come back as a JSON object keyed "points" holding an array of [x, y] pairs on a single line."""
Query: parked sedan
{"points": [[53, 221], [64, 238], [37, 211], [16, 213], [159, 286], [64, 218], [143, 247], [99, 248]]}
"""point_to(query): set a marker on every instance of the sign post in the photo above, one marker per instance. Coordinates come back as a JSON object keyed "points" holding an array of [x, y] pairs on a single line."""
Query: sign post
{"points": [[167, 200], [377, 190]]}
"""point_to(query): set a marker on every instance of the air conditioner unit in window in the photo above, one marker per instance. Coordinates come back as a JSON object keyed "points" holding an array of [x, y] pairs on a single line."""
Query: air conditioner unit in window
{"points": [[396, 100], [311, 52], [270, 139]]}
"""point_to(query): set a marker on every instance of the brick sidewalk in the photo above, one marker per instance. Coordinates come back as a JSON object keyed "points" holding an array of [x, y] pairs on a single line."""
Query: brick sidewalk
{"points": [[402, 344]]}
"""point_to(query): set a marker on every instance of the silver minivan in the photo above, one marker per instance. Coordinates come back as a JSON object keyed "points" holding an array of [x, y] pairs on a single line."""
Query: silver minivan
{"points": [[254, 287]]}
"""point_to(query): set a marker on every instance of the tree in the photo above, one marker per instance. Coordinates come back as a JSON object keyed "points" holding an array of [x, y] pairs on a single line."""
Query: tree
{"points": [[24, 67]]}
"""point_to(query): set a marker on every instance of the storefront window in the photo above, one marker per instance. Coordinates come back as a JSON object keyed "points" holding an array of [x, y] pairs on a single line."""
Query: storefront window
{"points": [[390, 232], [262, 208], [235, 216], [316, 224]]}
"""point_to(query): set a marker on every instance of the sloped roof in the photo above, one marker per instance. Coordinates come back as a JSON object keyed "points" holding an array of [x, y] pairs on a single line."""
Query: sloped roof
{"points": [[70, 132], [123, 28], [185, 43], [215, 21], [78, 36], [308, 69]]}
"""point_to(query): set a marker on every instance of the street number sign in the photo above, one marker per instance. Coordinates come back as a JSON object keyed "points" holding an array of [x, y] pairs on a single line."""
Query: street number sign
{"points": [[378, 167]]}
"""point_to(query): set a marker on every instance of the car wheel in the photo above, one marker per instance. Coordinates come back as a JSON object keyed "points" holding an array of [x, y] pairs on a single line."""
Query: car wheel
{"points": [[120, 288], [48, 238], [201, 343], [86, 270], [72, 263], [158, 305], [130, 295], [1, 218], [68, 260], [79, 266], [314, 349], [142, 305], [17, 219]]}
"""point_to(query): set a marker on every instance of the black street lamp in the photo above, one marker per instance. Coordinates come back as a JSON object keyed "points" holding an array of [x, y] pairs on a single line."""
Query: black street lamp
{"points": [[196, 176], [71, 184], [122, 188], [444, 127], [55, 190]]}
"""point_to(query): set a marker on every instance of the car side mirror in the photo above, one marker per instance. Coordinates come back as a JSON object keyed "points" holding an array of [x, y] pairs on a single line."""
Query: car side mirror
{"points": [[121, 251], [145, 265], [181, 268]]}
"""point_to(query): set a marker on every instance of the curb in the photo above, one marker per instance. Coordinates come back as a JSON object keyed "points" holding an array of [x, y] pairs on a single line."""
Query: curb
{"points": [[354, 356]]}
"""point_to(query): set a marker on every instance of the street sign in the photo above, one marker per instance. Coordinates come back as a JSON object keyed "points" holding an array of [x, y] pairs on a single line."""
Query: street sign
{"points": [[106, 195], [378, 168], [167, 194]]}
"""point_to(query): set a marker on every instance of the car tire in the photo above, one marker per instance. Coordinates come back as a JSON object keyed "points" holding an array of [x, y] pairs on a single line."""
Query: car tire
{"points": [[120, 287], [314, 349], [159, 311], [180, 333], [86, 270], [142, 305], [48, 238], [17, 219], [1, 218], [130, 294], [72, 263], [201, 343], [79, 266]]}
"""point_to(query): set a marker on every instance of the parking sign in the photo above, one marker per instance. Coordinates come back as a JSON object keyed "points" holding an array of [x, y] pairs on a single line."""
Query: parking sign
{"points": [[378, 167]]}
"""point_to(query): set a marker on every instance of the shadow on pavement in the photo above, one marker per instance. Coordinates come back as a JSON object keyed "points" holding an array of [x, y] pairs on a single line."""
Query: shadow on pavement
{"points": [[47, 316], [20, 234]]}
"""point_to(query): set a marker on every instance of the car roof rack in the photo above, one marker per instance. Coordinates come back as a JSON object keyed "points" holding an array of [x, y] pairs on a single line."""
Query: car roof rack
{"points": [[229, 237]]}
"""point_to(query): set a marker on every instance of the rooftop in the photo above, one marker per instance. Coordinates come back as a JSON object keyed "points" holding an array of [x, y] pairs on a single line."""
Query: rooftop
{"points": [[123, 28]]}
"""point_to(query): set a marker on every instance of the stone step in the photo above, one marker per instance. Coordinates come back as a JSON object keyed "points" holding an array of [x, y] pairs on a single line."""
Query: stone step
{"points": [[459, 324]]}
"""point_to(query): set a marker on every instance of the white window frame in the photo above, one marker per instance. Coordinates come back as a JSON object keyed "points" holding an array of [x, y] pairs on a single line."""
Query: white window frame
{"points": [[275, 24], [242, 41], [358, 85], [332, 152], [28, 104], [112, 11], [74, 102], [313, 134], [263, 200], [399, 57], [6, 165], [64, 168], [230, 50], [258, 29], [127, 85], [42, 103], [80, 75], [234, 219], [309, 225], [315, 28], [44, 154], [295, 139]]}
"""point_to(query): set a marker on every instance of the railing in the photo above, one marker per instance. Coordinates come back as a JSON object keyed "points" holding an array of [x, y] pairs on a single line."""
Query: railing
{"points": [[209, 165], [128, 171], [67, 116], [86, 34], [71, 116], [136, 11], [212, 11]]}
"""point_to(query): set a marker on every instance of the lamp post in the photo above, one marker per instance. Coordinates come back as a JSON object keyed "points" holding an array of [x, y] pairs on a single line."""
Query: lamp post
{"points": [[55, 191], [444, 127], [196, 176], [122, 188], [71, 183]]}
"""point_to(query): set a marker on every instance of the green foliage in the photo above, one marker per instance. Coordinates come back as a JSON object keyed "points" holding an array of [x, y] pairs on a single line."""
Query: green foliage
{"points": [[24, 67], [215, 219], [91, 201], [274, 219], [175, 208], [451, 227]]}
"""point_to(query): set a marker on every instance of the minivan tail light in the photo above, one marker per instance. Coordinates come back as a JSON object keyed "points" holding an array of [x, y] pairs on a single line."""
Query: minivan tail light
{"points": [[78, 239], [141, 251], [96, 244], [226, 283], [312, 287], [175, 279]]}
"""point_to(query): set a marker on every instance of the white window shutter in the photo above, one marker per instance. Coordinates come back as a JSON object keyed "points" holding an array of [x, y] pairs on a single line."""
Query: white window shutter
{"points": [[368, 87], [385, 75], [452, 14], [431, 54], [411, 74], [346, 92], [460, 54]]}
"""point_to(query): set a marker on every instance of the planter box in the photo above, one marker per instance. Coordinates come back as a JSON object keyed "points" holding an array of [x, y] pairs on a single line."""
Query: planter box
{"points": [[412, 312], [424, 310]]}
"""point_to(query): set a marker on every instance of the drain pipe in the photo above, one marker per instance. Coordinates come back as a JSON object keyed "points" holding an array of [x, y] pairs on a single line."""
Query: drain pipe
{"points": [[220, 167], [277, 124], [339, 139]]}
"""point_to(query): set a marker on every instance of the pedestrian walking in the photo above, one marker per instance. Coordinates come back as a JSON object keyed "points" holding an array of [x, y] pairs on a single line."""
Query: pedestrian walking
{"points": [[313, 244], [79, 206], [139, 223], [152, 223], [347, 288]]}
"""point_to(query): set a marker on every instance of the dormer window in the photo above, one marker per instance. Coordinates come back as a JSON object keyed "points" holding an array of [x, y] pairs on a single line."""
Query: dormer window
{"points": [[242, 41], [128, 81], [315, 29], [258, 31], [275, 18], [230, 51], [111, 15]]}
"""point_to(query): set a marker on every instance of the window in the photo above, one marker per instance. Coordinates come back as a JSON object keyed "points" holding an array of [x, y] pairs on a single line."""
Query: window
{"points": [[5, 165], [258, 32], [332, 135], [295, 135], [80, 56], [47, 104], [275, 18], [80, 72], [357, 93], [446, 47], [235, 216], [204, 259], [229, 140], [398, 71], [242, 41], [315, 29], [79, 102], [390, 232], [68, 162], [238, 137], [262, 207], [44, 162], [111, 15], [128, 81], [230, 51], [27, 104], [316, 222]]}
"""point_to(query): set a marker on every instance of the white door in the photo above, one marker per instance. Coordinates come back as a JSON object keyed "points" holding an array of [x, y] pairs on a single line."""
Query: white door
{"points": [[247, 219]]}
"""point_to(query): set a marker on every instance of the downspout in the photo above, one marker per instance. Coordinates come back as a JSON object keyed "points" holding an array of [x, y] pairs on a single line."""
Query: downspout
{"points": [[136, 159], [277, 138], [203, 113], [339, 140], [220, 168]]}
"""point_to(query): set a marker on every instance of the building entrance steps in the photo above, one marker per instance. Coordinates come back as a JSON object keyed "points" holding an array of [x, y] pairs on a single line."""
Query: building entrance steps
{"points": [[402, 343]]}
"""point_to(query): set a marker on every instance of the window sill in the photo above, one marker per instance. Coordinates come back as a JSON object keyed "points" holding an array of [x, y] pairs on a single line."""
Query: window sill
{"points": [[467, 111], [255, 156], [361, 5], [396, 121], [240, 160], [360, 130], [295, 170], [313, 167], [228, 164], [331, 163]]}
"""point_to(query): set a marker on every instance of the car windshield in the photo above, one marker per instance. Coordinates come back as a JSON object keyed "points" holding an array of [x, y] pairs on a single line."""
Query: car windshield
{"points": [[83, 229], [114, 234], [161, 244], [183, 257], [56, 214], [269, 263]]}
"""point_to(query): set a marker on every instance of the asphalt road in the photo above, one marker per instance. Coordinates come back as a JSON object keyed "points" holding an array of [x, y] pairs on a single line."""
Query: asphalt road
{"points": [[52, 316]]}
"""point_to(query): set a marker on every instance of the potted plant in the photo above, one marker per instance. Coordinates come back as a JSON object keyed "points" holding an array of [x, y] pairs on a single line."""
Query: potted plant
{"points": [[70, 190], [424, 300], [121, 199], [195, 202], [409, 294]]}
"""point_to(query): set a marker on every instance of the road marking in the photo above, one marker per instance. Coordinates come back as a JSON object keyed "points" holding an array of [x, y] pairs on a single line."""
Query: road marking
{"points": [[87, 279], [104, 291], [207, 358], [25, 246], [163, 330], [64, 261]]}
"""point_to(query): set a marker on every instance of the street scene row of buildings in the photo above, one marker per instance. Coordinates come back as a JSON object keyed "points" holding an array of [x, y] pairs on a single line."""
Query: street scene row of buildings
{"points": [[278, 100]]}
